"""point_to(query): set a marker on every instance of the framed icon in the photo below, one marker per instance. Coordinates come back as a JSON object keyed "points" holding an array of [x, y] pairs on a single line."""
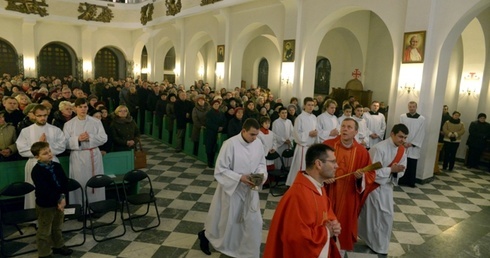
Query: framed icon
{"points": [[288, 50], [221, 53], [413, 47]]}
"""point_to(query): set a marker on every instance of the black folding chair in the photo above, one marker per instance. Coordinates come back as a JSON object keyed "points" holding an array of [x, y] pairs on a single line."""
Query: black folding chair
{"points": [[15, 217], [277, 176], [132, 178], [75, 188], [287, 158], [102, 207]]}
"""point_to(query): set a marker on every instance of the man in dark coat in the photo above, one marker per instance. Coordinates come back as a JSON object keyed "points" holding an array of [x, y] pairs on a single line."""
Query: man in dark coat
{"points": [[182, 115]]}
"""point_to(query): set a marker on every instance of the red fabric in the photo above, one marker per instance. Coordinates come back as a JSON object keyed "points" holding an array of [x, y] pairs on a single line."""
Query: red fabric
{"points": [[263, 130], [298, 226], [346, 193], [371, 187]]}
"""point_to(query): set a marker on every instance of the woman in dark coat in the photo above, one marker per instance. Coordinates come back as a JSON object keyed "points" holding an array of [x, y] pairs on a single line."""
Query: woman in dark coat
{"points": [[63, 114], [132, 102], [199, 120], [477, 140], [215, 122], [236, 123], [124, 131]]}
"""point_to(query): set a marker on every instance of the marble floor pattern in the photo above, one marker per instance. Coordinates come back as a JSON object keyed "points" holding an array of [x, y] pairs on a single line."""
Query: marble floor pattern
{"points": [[445, 218]]}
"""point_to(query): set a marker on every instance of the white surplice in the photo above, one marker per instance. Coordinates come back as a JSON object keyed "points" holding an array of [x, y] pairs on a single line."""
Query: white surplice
{"points": [[416, 129], [85, 157], [376, 123], [234, 222], [268, 142], [376, 219], [283, 129], [326, 123], [303, 124], [31, 135], [363, 132]]}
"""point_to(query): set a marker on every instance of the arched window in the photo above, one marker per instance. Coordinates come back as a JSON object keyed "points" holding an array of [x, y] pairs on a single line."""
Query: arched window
{"points": [[8, 59], [169, 63], [55, 59], [322, 76], [106, 64], [144, 64], [263, 74]]}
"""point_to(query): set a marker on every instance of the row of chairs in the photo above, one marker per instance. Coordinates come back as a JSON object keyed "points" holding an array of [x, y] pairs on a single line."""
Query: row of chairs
{"points": [[87, 210], [278, 176]]}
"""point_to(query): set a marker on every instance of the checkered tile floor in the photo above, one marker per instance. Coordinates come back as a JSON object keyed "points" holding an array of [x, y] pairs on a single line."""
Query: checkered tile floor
{"points": [[184, 188]]}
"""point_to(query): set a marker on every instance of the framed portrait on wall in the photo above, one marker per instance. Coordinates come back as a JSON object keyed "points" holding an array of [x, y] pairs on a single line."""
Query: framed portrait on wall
{"points": [[221, 53], [288, 50], [413, 47]]}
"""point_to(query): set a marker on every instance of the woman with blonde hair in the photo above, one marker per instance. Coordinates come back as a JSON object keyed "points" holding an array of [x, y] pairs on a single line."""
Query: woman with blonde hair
{"points": [[23, 100], [123, 130], [63, 114]]}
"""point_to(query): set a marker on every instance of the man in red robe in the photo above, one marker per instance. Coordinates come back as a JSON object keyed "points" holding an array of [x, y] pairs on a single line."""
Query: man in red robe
{"points": [[304, 224], [346, 193]]}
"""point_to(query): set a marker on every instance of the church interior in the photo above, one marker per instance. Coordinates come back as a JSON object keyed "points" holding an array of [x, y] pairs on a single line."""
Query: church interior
{"points": [[297, 49]]}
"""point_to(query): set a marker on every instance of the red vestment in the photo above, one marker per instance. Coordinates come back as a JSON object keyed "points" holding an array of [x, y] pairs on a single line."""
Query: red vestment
{"points": [[298, 226], [346, 192]]}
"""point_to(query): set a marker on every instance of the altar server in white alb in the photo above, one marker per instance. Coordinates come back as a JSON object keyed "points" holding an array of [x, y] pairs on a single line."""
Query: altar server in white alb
{"points": [[283, 129], [362, 136], [40, 131], [416, 126], [376, 123], [84, 135], [328, 124], [268, 139], [376, 218], [305, 134], [234, 223]]}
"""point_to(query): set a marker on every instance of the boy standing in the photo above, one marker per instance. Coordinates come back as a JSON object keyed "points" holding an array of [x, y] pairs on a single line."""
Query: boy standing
{"points": [[51, 188]]}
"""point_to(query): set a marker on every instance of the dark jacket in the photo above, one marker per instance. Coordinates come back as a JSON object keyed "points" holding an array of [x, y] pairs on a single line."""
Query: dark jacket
{"points": [[59, 120], [479, 133], [182, 113], [48, 191], [234, 127], [123, 130], [199, 120]]}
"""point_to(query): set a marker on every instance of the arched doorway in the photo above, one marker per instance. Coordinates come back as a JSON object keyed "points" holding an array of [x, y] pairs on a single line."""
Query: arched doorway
{"points": [[323, 71], [57, 59], [9, 59], [263, 74], [109, 63]]}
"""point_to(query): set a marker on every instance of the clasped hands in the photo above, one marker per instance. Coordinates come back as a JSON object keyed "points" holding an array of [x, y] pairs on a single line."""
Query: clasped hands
{"points": [[84, 137], [334, 227]]}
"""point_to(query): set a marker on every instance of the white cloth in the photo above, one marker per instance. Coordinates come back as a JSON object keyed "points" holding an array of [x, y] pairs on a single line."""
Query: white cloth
{"points": [[303, 124], [326, 123], [268, 142], [85, 157], [415, 55], [234, 222], [376, 218], [283, 129], [31, 135], [376, 124], [342, 118], [363, 132], [416, 134]]}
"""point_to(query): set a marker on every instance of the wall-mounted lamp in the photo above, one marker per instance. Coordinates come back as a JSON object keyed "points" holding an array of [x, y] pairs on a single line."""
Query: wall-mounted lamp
{"points": [[470, 84], [200, 72], [177, 71], [472, 77], [408, 87], [220, 70], [287, 73], [144, 70]]}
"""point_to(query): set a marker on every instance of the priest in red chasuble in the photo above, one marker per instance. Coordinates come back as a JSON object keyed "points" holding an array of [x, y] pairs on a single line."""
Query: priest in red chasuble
{"points": [[347, 193], [304, 224]]}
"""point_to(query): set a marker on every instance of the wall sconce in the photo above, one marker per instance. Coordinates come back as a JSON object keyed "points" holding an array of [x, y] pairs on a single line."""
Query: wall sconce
{"points": [[287, 73], [220, 70], [29, 66], [201, 72], [408, 87], [144, 70], [470, 84], [177, 71]]}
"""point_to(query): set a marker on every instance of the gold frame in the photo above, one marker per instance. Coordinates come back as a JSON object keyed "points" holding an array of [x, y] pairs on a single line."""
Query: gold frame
{"points": [[407, 48]]}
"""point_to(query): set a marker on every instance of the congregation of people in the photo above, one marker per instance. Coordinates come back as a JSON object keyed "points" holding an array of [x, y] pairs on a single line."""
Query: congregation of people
{"points": [[334, 197]]}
